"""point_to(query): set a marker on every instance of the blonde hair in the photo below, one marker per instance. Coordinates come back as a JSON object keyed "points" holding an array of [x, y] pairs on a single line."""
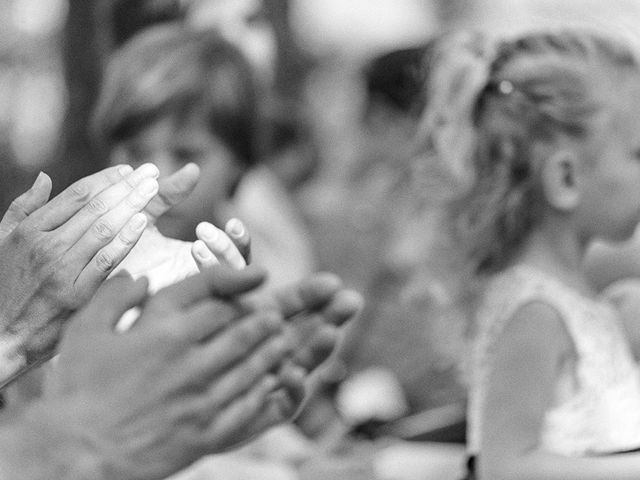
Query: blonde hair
{"points": [[488, 104]]}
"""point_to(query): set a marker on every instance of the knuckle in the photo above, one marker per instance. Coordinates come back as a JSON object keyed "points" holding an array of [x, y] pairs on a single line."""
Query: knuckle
{"points": [[79, 191], [126, 238], [103, 230], [105, 262], [97, 206], [18, 206], [131, 181]]}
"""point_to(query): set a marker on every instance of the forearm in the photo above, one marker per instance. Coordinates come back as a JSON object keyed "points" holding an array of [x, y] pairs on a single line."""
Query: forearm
{"points": [[39, 443]]}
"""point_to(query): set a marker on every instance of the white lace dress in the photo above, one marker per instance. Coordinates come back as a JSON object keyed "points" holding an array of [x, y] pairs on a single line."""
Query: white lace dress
{"points": [[596, 404]]}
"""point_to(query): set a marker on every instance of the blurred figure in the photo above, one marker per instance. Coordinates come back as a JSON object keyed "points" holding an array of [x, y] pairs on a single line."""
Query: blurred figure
{"points": [[404, 265], [173, 96], [540, 132], [128, 17]]}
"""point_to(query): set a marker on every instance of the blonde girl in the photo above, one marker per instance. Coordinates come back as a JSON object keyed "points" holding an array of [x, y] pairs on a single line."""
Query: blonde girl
{"points": [[542, 134]]}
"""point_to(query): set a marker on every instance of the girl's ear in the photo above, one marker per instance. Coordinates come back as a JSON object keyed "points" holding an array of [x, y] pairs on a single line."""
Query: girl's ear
{"points": [[561, 180]]}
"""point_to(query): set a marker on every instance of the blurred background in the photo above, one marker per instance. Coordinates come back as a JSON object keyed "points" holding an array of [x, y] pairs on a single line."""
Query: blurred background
{"points": [[352, 170]]}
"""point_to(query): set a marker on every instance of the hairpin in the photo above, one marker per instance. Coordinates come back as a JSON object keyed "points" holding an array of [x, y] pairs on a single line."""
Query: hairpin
{"points": [[505, 87]]}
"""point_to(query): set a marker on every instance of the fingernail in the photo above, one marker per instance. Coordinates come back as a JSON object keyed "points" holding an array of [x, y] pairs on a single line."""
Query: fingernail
{"points": [[138, 221], [208, 231], [235, 227], [148, 170], [148, 187], [40, 180], [125, 170]]}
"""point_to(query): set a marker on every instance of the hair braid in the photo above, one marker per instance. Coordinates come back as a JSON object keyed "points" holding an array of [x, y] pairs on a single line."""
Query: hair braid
{"points": [[536, 88]]}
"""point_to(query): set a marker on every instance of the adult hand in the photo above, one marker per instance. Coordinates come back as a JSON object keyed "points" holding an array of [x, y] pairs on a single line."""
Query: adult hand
{"points": [[191, 377], [172, 190], [54, 255], [315, 309]]}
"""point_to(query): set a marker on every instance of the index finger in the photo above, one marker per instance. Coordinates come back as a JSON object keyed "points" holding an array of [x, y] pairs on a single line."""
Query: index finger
{"points": [[218, 281], [64, 205]]}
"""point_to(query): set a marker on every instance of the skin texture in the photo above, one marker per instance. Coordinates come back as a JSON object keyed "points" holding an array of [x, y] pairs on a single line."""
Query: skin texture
{"points": [[60, 253]]}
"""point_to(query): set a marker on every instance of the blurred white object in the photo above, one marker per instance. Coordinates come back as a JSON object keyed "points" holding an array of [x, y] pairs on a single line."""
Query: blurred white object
{"points": [[162, 260], [361, 27], [514, 16], [374, 393], [236, 20]]}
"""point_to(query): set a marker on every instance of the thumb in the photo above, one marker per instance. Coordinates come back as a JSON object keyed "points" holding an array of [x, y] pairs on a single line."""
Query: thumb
{"points": [[26, 204], [172, 190]]}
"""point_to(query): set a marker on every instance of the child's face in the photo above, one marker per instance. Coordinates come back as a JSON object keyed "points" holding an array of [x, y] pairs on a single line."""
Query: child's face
{"points": [[610, 206], [170, 143]]}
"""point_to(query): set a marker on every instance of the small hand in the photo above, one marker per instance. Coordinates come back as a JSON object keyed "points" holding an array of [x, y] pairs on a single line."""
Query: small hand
{"points": [[231, 246]]}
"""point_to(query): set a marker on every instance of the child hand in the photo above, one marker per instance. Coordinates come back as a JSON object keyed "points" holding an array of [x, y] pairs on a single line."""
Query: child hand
{"points": [[231, 246]]}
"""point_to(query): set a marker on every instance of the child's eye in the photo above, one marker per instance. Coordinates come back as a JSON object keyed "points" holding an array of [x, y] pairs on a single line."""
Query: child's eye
{"points": [[186, 155]]}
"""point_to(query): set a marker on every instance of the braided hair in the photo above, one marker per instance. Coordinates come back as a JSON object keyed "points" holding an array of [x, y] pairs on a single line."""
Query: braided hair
{"points": [[490, 105]]}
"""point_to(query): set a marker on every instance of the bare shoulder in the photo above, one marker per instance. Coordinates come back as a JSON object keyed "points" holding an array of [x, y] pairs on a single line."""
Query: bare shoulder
{"points": [[536, 328]]}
